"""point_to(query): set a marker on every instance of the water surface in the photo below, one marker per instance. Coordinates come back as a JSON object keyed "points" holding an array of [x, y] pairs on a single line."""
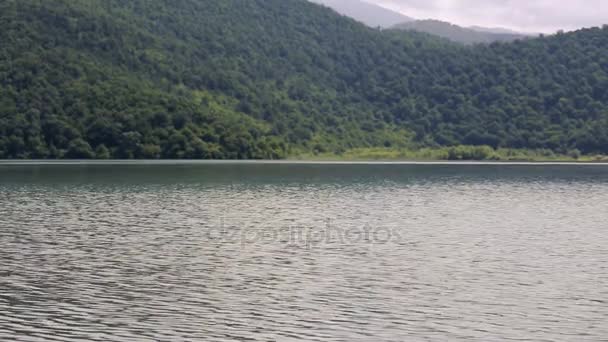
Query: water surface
{"points": [[314, 252]]}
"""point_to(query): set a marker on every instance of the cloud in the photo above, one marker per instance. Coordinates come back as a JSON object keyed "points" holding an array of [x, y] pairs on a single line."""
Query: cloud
{"points": [[525, 15]]}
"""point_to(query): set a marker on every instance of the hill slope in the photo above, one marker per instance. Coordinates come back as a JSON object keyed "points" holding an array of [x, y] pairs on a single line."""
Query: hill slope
{"points": [[265, 78], [457, 33]]}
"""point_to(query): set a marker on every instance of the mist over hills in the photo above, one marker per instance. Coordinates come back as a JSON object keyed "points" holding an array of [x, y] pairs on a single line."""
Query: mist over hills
{"points": [[367, 13], [270, 78], [377, 16], [499, 30], [459, 34]]}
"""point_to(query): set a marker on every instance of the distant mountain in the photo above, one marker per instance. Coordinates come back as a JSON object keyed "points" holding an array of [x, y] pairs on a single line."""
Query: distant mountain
{"points": [[473, 35], [367, 13], [499, 30], [377, 16]]}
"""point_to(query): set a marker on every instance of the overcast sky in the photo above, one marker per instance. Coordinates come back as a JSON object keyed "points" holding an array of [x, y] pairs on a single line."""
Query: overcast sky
{"points": [[524, 15]]}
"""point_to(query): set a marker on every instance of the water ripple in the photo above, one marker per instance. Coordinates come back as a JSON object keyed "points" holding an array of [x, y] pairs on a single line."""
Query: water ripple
{"points": [[394, 253]]}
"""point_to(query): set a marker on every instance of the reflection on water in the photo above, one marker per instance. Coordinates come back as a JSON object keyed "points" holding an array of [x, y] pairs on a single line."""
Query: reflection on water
{"points": [[303, 252]]}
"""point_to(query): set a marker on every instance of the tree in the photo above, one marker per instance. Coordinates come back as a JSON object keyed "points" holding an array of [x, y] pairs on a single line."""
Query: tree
{"points": [[79, 149]]}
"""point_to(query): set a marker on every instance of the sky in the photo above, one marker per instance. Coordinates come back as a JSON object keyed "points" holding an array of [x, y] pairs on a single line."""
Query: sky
{"points": [[546, 16]]}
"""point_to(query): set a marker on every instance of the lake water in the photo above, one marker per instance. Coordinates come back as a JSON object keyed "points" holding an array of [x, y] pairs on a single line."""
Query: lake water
{"points": [[303, 252]]}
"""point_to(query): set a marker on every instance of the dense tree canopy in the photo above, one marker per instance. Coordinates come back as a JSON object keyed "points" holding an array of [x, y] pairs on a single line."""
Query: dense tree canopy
{"points": [[265, 78]]}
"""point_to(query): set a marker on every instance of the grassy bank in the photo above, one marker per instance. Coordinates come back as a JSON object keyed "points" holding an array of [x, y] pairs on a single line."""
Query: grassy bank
{"points": [[455, 153]]}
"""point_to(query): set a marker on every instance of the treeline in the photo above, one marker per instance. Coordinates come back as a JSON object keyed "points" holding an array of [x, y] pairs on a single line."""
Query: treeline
{"points": [[266, 78], [454, 153]]}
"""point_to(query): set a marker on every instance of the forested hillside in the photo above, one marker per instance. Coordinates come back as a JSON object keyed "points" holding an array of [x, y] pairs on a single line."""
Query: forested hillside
{"points": [[268, 78]]}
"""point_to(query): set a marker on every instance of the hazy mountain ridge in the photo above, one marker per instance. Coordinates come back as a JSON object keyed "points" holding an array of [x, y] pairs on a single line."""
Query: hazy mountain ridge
{"points": [[500, 30], [365, 12], [378, 16], [457, 33]]}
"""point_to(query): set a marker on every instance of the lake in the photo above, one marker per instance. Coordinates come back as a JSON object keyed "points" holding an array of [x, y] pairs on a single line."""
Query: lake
{"points": [[303, 252]]}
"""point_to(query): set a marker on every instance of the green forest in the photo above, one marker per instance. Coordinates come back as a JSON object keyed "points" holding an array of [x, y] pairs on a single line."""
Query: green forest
{"points": [[269, 79]]}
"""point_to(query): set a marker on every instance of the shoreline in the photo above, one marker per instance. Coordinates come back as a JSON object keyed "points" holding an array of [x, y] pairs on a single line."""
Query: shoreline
{"points": [[168, 162]]}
